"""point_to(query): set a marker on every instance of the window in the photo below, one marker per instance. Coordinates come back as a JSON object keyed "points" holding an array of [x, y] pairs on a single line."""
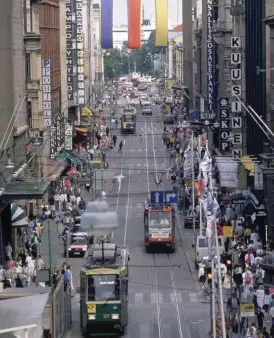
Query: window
{"points": [[28, 16], [28, 67], [103, 287]]}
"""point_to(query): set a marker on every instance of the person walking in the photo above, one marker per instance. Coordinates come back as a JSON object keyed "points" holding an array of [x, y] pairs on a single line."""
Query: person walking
{"points": [[121, 146], [107, 131], [141, 138], [114, 139]]}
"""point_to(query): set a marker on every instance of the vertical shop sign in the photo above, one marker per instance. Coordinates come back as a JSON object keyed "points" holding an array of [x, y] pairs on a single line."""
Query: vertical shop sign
{"points": [[258, 178], [46, 91], [68, 136], [210, 114], [80, 51], [58, 133], [53, 148], [224, 124], [236, 92], [69, 38]]}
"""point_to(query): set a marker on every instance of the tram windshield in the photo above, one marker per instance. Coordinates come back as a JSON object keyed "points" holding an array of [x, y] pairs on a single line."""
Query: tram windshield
{"points": [[103, 288], [159, 220], [128, 118]]}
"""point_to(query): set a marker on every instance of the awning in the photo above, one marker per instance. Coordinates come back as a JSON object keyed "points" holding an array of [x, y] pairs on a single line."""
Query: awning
{"points": [[248, 164], [86, 112], [19, 190], [81, 130], [74, 159], [15, 314], [56, 171], [18, 216]]}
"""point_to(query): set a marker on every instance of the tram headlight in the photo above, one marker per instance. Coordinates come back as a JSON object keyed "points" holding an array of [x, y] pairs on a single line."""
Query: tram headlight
{"points": [[91, 317], [115, 316]]}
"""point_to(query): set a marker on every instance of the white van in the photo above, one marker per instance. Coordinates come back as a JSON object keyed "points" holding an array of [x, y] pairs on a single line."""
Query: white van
{"points": [[201, 248]]}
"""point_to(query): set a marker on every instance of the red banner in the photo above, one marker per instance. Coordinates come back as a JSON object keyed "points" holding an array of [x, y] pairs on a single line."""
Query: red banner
{"points": [[134, 24]]}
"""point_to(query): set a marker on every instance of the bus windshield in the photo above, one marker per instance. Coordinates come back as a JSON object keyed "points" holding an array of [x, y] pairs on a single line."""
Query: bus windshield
{"points": [[159, 220], [103, 287], [128, 118]]}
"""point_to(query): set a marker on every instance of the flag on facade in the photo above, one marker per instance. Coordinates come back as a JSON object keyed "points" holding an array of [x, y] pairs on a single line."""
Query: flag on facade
{"points": [[161, 11], [106, 24], [134, 24]]}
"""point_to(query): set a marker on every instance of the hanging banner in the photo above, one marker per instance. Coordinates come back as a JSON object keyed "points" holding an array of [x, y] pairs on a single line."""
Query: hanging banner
{"points": [[258, 177], [228, 169], [161, 11], [134, 24], [106, 24]]}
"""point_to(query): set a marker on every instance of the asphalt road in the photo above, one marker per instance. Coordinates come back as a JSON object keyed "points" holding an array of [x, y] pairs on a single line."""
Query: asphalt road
{"points": [[163, 292]]}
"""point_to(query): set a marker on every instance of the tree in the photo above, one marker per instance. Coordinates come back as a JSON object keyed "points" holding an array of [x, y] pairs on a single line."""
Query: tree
{"points": [[113, 64]]}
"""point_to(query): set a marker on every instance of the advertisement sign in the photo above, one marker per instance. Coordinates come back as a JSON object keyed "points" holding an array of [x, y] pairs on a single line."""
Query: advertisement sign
{"points": [[236, 91], [46, 91], [68, 136], [71, 56], [258, 177], [80, 51], [53, 147], [224, 124], [210, 114], [247, 310]]}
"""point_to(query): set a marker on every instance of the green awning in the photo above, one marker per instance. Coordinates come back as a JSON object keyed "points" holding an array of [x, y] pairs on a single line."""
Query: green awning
{"points": [[74, 159], [18, 216], [19, 190]]}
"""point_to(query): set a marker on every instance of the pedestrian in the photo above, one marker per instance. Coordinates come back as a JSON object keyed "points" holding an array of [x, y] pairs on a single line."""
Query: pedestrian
{"points": [[233, 307], [8, 251], [68, 278], [87, 187], [238, 280], [121, 146], [107, 131], [114, 139], [141, 138], [260, 318]]}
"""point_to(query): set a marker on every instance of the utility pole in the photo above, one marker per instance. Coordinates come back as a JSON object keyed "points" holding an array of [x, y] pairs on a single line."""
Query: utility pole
{"points": [[193, 188]]}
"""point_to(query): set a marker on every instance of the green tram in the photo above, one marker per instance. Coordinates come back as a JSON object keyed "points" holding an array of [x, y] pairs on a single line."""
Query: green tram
{"points": [[104, 290], [128, 121]]}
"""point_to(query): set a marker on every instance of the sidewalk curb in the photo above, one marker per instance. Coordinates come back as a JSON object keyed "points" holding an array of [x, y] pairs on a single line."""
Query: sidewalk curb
{"points": [[190, 261]]}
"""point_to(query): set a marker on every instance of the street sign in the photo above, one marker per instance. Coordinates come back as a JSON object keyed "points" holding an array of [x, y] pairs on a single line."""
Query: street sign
{"points": [[171, 197], [157, 197]]}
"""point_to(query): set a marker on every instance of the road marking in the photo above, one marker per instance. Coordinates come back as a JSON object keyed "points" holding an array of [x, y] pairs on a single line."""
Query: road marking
{"points": [[154, 156], [148, 189], [176, 304], [179, 298], [119, 183], [156, 298], [127, 208]]}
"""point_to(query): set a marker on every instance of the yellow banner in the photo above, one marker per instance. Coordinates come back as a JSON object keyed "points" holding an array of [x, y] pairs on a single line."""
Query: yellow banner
{"points": [[161, 10], [227, 231]]}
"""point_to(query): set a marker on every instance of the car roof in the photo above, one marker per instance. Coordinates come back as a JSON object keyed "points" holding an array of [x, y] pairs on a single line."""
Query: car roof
{"points": [[80, 234]]}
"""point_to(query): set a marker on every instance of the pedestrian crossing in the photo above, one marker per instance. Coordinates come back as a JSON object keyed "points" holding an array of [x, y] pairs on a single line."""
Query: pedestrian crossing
{"points": [[158, 148], [161, 165], [150, 298], [165, 298]]}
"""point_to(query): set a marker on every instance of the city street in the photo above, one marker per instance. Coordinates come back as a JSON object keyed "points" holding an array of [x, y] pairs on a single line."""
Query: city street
{"points": [[163, 289]]}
